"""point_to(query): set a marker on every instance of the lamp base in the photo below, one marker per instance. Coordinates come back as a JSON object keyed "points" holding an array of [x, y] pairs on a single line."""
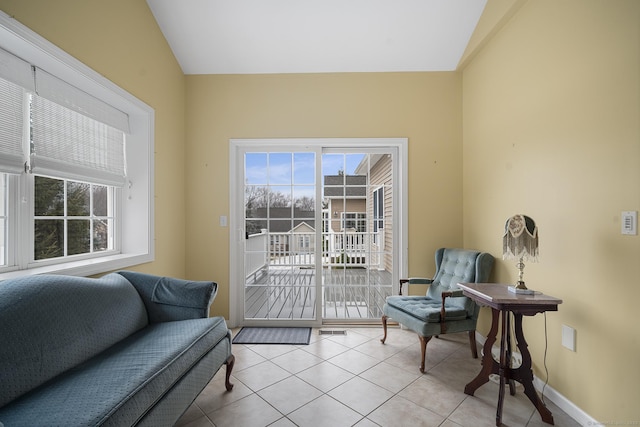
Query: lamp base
{"points": [[520, 291]]}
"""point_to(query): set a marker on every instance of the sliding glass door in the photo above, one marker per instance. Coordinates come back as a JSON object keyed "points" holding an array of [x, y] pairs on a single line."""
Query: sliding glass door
{"points": [[317, 231]]}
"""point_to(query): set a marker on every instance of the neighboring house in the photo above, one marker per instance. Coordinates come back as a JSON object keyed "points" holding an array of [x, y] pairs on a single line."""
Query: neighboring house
{"points": [[379, 205], [356, 209], [346, 197], [280, 223], [303, 240], [362, 203]]}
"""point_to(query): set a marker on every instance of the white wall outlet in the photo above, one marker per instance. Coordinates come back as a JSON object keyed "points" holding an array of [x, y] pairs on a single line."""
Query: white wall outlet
{"points": [[629, 222], [569, 337]]}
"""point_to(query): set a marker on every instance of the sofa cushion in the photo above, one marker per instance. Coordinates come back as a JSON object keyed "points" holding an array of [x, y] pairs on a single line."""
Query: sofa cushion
{"points": [[119, 385], [426, 309], [53, 323]]}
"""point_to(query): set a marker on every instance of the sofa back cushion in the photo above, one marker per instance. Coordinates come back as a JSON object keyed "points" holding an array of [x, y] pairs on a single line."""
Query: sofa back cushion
{"points": [[52, 323]]}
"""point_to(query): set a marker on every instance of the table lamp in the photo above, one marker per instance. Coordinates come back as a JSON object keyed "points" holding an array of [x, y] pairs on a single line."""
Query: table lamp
{"points": [[520, 241]]}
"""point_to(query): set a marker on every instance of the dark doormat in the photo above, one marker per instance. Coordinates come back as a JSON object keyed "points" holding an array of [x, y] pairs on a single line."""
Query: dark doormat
{"points": [[262, 335]]}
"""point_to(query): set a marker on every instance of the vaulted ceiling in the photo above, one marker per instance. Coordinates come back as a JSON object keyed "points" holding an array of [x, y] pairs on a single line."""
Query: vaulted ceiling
{"points": [[316, 36]]}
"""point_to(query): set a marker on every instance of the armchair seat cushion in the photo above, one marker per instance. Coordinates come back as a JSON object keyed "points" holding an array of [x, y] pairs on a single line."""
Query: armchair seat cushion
{"points": [[426, 309], [424, 314]]}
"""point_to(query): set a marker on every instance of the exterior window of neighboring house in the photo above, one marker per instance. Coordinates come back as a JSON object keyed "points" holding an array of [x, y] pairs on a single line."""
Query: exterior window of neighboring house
{"points": [[67, 201], [304, 242], [378, 212], [279, 243], [354, 220]]}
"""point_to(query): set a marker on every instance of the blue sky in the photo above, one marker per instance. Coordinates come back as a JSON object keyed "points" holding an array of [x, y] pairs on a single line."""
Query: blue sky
{"points": [[294, 168]]}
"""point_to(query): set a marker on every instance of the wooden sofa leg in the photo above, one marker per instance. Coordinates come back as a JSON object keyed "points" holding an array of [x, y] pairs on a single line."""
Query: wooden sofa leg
{"points": [[231, 360], [423, 348], [384, 326], [472, 343]]}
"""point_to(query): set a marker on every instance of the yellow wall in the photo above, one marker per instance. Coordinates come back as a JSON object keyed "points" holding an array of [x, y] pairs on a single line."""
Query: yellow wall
{"points": [[425, 107], [551, 108], [552, 129], [121, 40]]}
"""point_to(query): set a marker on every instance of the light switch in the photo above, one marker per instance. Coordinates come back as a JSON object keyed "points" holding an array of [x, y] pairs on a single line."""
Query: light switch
{"points": [[629, 223], [223, 221]]}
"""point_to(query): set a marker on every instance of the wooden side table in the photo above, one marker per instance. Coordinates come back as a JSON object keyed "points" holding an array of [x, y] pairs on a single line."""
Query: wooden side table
{"points": [[503, 302]]}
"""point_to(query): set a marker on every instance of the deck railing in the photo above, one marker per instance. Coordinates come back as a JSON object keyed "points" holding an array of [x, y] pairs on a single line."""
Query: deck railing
{"points": [[297, 248], [256, 258], [280, 276]]}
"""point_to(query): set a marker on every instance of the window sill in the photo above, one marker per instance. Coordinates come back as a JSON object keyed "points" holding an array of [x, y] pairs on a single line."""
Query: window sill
{"points": [[85, 267]]}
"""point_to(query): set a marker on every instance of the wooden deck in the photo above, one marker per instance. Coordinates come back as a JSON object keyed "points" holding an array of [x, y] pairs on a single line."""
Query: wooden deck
{"points": [[290, 293]]}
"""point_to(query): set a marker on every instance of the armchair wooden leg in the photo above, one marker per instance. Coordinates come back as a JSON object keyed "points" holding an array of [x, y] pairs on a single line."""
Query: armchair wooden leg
{"points": [[472, 343], [423, 348], [384, 326]]}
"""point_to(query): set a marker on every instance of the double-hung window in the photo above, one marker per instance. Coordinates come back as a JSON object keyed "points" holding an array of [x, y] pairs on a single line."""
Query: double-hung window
{"points": [[356, 221], [69, 202]]}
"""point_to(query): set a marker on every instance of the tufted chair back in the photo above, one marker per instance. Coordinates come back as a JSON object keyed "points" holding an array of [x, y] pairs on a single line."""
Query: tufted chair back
{"points": [[455, 266]]}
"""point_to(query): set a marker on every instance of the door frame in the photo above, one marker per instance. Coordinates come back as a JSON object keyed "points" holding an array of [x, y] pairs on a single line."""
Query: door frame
{"points": [[236, 201]]}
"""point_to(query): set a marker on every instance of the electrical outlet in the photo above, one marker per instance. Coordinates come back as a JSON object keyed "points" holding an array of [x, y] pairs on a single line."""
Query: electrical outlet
{"points": [[629, 223], [569, 337]]}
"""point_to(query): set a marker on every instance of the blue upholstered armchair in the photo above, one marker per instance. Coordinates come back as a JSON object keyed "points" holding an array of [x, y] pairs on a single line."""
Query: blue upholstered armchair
{"points": [[444, 309]]}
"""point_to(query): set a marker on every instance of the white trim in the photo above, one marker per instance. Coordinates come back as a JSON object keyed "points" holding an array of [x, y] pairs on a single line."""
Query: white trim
{"points": [[554, 396], [136, 207], [235, 233]]}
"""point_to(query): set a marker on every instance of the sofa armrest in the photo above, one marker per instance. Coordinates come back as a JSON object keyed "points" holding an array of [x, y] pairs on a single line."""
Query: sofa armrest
{"points": [[167, 299]]}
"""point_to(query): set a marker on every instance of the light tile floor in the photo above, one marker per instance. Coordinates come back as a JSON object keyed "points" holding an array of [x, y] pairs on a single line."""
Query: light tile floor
{"points": [[355, 380]]}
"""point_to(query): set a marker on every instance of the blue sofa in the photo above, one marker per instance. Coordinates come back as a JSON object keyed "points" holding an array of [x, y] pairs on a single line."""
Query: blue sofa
{"points": [[125, 349]]}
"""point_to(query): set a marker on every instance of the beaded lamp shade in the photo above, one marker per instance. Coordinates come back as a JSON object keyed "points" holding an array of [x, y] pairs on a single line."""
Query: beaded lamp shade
{"points": [[520, 241]]}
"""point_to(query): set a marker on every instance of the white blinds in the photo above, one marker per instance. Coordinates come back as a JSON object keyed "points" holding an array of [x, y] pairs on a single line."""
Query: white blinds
{"points": [[73, 134], [69, 145], [15, 74], [11, 127], [16, 70], [71, 97]]}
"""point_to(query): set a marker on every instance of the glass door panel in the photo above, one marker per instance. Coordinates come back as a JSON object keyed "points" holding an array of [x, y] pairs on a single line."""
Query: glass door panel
{"points": [[279, 255], [357, 258]]}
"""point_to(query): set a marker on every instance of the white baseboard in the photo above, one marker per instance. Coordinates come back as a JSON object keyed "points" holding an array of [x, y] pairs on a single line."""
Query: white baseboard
{"points": [[580, 416], [565, 404]]}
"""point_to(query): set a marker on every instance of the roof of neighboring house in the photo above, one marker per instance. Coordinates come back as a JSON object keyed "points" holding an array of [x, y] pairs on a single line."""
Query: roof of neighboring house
{"points": [[335, 186], [281, 220], [303, 225]]}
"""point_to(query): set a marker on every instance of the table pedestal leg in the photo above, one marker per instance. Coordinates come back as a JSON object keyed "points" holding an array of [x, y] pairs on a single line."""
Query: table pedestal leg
{"points": [[504, 365], [524, 374], [488, 364]]}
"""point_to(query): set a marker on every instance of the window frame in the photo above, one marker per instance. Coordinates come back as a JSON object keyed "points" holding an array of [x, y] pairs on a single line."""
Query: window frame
{"points": [[66, 217], [378, 208], [359, 220], [135, 207], [377, 197]]}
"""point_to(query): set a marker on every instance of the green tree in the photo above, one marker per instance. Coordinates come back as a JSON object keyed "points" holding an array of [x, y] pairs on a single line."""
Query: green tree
{"points": [[49, 233]]}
